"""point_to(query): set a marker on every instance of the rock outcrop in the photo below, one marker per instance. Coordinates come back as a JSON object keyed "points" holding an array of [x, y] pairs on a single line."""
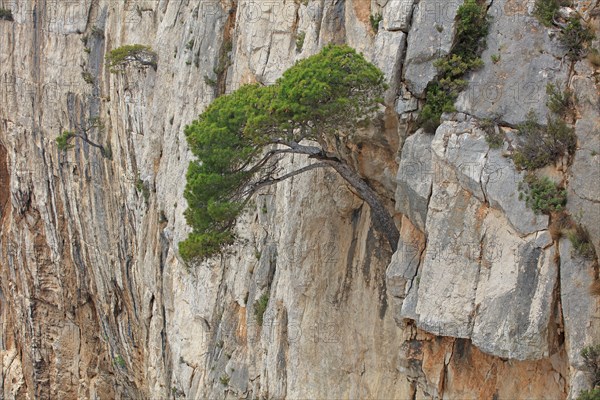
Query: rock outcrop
{"points": [[479, 301]]}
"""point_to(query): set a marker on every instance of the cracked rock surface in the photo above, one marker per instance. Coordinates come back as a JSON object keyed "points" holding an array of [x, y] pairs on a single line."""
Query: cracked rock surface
{"points": [[479, 301]]}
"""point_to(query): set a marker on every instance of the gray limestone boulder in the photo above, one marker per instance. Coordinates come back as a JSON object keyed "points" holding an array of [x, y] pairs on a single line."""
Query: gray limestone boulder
{"points": [[515, 295], [488, 272], [448, 277], [397, 15], [501, 185], [414, 178], [583, 192], [430, 37], [529, 59], [387, 55], [582, 323]]}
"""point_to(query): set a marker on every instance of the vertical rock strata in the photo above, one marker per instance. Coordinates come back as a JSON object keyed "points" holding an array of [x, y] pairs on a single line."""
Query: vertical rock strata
{"points": [[479, 301]]}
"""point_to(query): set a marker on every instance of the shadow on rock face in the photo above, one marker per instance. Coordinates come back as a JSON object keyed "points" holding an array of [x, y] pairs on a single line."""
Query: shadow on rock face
{"points": [[4, 180]]}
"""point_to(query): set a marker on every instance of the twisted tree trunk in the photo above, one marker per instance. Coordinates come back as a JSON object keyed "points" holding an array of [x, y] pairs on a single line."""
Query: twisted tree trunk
{"points": [[382, 220]]}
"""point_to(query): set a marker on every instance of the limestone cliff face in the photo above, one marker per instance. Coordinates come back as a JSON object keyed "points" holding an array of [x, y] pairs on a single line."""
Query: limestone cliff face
{"points": [[479, 301]]}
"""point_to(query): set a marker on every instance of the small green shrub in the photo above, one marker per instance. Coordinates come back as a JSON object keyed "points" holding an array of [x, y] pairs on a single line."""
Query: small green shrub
{"points": [[142, 188], [300, 41], [96, 31], [493, 136], [87, 77], [542, 195], [581, 241], [560, 223], [452, 69], [437, 102], [63, 139], [6, 14], [375, 19], [542, 145], [593, 394], [190, 44], [545, 10], [591, 359], [224, 380], [472, 27], [576, 38], [594, 57], [560, 102], [260, 306], [495, 58], [224, 61], [228, 46], [119, 361], [141, 55], [107, 151], [209, 81]]}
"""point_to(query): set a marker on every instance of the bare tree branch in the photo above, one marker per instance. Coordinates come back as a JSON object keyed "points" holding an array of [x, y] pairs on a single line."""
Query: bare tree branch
{"points": [[260, 184]]}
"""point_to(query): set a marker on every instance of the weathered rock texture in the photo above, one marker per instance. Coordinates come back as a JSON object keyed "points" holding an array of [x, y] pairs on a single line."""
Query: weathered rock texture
{"points": [[479, 301]]}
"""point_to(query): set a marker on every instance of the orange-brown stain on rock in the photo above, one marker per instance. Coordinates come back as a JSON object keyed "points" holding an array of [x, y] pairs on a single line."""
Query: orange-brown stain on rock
{"points": [[4, 181], [242, 332], [362, 9], [470, 373]]}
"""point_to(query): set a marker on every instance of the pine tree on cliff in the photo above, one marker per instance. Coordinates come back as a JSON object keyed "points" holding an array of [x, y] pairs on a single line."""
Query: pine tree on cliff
{"points": [[241, 136]]}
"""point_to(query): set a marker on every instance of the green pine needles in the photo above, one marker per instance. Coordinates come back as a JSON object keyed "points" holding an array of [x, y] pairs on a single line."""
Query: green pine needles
{"points": [[232, 140]]}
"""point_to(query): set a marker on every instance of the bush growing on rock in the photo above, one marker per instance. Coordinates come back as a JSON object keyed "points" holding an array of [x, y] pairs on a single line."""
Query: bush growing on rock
{"points": [[593, 394], [560, 102], [542, 195], [300, 41], [63, 140], [472, 26], [224, 380], [594, 57], [137, 54], [82, 131], [233, 141], [545, 10], [493, 135], [591, 359], [541, 145], [6, 14], [375, 19], [260, 306], [120, 361], [575, 37], [563, 224], [581, 241]]}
